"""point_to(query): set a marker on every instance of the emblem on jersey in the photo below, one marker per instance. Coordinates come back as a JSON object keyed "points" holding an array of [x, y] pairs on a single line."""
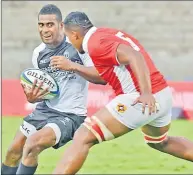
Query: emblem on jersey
{"points": [[66, 54], [121, 108]]}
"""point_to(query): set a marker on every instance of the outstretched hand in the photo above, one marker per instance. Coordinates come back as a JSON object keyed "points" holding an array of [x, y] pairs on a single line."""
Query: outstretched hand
{"points": [[35, 94]]}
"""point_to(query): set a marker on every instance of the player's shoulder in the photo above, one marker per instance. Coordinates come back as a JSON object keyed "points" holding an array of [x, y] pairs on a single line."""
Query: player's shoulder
{"points": [[106, 30], [104, 35], [39, 48], [101, 38]]}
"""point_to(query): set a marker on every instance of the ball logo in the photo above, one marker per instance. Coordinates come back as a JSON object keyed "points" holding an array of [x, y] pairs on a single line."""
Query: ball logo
{"points": [[41, 77]]}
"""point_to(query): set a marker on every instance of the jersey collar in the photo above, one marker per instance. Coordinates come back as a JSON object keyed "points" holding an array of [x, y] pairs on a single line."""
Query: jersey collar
{"points": [[86, 38]]}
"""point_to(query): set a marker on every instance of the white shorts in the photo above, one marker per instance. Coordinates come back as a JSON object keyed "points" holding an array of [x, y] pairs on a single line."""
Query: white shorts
{"points": [[132, 116]]}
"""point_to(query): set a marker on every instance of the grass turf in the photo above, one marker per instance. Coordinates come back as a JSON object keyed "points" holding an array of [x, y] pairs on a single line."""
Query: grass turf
{"points": [[125, 155]]}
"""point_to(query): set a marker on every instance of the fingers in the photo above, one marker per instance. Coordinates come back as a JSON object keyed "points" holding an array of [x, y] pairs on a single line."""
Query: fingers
{"points": [[152, 107], [24, 88], [43, 95], [60, 62], [34, 85], [143, 108], [43, 92], [56, 63], [55, 59], [135, 102], [36, 90], [53, 63]]}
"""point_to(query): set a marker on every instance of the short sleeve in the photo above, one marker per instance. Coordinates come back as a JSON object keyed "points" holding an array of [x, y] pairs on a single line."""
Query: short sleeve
{"points": [[34, 59], [35, 54]]}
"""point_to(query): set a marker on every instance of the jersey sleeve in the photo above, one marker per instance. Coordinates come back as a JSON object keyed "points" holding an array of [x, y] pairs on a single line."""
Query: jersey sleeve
{"points": [[106, 52], [34, 59], [36, 54]]}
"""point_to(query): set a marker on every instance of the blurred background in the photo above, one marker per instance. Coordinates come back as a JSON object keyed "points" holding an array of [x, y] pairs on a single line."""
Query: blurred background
{"points": [[164, 28]]}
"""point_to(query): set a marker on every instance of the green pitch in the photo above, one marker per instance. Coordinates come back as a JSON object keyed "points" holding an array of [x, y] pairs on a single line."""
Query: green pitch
{"points": [[127, 154]]}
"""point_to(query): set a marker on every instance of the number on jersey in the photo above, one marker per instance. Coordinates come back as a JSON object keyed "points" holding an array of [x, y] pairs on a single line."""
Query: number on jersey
{"points": [[133, 45]]}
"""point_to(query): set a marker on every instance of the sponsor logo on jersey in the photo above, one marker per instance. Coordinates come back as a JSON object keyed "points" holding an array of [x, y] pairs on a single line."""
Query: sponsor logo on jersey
{"points": [[44, 61]]}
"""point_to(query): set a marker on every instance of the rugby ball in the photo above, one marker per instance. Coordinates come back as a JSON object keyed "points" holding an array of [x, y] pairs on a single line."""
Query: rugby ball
{"points": [[28, 77]]}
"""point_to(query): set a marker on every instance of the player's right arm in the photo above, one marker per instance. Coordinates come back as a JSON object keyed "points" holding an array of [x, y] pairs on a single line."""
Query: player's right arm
{"points": [[34, 94], [128, 56], [113, 52]]}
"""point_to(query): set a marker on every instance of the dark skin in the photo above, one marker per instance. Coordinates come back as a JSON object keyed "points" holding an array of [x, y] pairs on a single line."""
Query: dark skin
{"points": [[138, 66], [50, 30], [126, 56], [51, 33], [89, 73], [35, 94], [76, 154]]}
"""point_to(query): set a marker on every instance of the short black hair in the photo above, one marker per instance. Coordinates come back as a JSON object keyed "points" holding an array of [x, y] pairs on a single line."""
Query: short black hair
{"points": [[51, 9], [78, 19]]}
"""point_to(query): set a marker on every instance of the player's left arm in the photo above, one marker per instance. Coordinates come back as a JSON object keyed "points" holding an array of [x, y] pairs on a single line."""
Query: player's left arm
{"points": [[87, 71], [128, 56]]}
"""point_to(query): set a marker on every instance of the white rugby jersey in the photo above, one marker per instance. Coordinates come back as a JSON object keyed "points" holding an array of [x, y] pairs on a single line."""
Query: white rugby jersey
{"points": [[73, 88]]}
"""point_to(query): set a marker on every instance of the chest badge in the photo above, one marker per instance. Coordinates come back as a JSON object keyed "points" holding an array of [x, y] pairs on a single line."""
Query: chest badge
{"points": [[66, 54]]}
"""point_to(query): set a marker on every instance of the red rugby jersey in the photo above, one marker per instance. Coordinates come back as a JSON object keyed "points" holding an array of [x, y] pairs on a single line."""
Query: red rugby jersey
{"points": [[102, 43]]}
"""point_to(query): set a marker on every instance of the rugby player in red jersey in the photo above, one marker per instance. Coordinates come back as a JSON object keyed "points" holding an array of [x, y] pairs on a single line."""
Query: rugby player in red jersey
{"points": [[143, 98]]}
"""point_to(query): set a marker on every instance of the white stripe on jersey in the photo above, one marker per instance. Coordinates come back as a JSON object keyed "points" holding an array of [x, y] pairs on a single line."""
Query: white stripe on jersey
{"points": [[86, 59], [35, 55], [125, 79]]}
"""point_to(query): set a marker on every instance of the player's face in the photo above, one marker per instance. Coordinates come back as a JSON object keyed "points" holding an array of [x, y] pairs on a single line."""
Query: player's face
{"points": [[50, 29], [75, 38]]}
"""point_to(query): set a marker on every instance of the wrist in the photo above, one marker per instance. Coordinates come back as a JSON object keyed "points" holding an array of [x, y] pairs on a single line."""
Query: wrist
{"points": [[74, 66], [147, 91]]}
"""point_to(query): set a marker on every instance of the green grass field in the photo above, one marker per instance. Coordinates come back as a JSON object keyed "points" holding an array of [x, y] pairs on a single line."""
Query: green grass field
{"points": [[127, 154]]}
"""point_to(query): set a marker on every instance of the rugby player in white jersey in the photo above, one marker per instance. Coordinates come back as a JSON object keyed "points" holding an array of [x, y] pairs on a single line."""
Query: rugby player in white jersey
{"points": [[53, 122]]}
